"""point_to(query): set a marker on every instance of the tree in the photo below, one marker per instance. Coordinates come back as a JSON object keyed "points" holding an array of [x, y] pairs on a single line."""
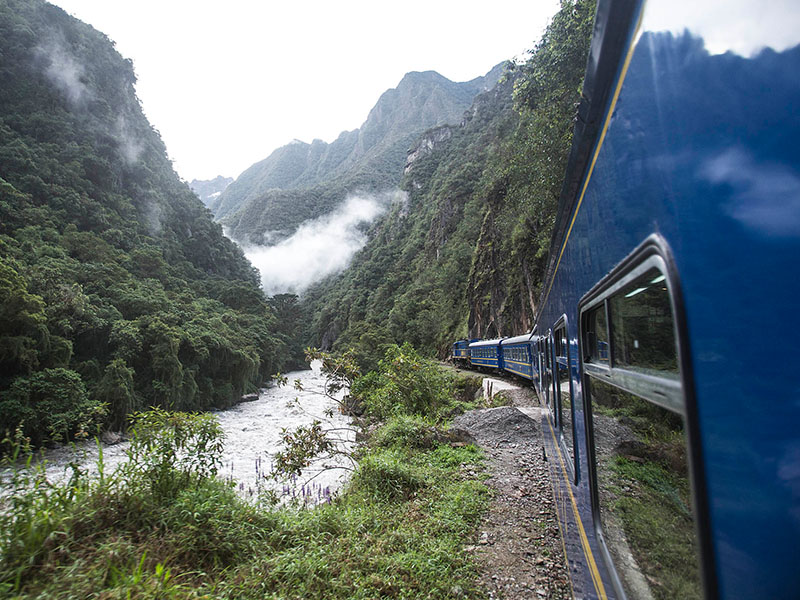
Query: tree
{"points": [[314, 444], [50, 405], [23, 333], [116, 390]]}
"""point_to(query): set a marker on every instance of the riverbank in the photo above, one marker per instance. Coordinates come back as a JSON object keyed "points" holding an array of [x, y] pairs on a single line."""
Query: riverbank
{"points": [[166, 528], [252, 434]]}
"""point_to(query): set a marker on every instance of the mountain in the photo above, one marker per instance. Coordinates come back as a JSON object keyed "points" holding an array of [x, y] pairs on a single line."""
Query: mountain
{"points": [[210, 190], [117, 290], [465, 256], [300, 181]]}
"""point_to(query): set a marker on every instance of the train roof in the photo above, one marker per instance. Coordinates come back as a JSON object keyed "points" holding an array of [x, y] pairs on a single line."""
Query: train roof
{"points": [[495, 342], [520, 339]]}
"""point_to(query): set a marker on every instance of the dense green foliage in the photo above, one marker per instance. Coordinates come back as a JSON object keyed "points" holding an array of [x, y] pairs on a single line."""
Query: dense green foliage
{"points": [[117, 290], [164, 527], [465, 256], [406, 383]]}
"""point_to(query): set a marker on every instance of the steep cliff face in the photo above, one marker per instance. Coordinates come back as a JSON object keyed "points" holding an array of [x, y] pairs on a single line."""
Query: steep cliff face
{"points": [[465, 256], [500, 292], [509, 260], [429, 141], [302, 181]]}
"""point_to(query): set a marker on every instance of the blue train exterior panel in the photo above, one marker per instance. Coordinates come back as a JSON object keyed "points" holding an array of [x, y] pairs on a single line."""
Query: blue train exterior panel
{"points": [[696, 165], [460, 350]]}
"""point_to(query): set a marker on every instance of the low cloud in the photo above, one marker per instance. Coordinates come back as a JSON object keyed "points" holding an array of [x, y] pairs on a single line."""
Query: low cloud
{"points": [[129, 145], [320, 247], [64, 71]]}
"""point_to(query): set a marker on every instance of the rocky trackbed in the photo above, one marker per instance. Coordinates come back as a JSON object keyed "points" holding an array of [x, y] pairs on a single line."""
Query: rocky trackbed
{"points": [[519, 549]]}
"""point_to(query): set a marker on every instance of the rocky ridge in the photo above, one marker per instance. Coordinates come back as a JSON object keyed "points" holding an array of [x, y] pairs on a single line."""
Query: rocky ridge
{"points": [[302, 181]]}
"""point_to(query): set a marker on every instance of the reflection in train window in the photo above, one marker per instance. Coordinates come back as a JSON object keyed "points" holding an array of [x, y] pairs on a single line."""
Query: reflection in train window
{"points": [[565, 396], [641, 325], [642, 484], [560, 339], [547, 380], [596, 335]]}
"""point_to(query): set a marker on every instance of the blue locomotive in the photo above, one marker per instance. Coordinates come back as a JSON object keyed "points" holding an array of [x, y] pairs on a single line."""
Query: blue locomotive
{"points": [[664, 335], [460, 351]]}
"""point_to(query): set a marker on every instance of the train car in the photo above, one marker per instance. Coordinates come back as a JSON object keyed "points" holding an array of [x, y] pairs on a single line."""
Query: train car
{"points": [[672, 431], [486, 354], [518, 355], [460, 351]]}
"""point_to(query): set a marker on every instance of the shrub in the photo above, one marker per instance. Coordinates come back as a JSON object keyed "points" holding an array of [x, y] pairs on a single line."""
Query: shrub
{"points": [[169, 450], [408, 432], [406, 384], [466, 386], [385, 475]]}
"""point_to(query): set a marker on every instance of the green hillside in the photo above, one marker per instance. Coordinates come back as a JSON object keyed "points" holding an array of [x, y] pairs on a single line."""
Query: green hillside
{"points": [[465, 256], [117, 290]]}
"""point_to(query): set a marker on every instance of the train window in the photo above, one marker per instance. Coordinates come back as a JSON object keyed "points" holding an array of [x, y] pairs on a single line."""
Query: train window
{"points": [[547, 381], [563, 387], [560, 339], [642, 325], [596, 335], [643, 493]]}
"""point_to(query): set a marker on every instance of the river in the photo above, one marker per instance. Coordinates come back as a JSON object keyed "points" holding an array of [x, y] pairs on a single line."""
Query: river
{"points": [[252, 437]]}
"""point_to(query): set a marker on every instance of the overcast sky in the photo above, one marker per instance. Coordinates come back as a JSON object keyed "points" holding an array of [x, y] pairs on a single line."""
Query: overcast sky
{"points": [[228, 82]]}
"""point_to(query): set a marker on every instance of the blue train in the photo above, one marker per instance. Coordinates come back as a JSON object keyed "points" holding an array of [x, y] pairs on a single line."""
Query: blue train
{"points": [[671, 307]]}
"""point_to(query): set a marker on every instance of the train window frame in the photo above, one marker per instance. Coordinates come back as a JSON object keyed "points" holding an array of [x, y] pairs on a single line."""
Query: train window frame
{"points": [[539, 364], [654, 251], [664, 389], [548, 370], [573, 454]]}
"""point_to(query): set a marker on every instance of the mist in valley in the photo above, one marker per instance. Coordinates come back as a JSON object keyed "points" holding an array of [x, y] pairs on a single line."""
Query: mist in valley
{"points": [[320, 247]]}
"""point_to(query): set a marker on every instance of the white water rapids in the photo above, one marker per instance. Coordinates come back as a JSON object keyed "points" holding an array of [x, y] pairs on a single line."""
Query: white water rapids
{"points": [[252, 437]]}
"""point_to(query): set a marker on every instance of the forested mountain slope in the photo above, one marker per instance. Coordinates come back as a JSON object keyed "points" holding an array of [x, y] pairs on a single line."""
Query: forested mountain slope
{"points": [[117, 290], [465, 256], [301, 181]]}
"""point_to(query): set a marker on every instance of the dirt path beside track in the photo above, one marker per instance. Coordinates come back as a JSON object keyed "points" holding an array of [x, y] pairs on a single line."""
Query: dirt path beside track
{"points": [[519, 547]]}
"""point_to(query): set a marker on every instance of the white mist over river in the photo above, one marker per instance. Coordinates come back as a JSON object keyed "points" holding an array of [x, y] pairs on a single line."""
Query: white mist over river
{"points": [[320, 247], [252, 437]]}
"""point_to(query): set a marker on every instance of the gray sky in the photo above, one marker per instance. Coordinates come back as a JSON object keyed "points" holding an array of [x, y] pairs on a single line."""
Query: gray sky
{"points": [[228, 82]]}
